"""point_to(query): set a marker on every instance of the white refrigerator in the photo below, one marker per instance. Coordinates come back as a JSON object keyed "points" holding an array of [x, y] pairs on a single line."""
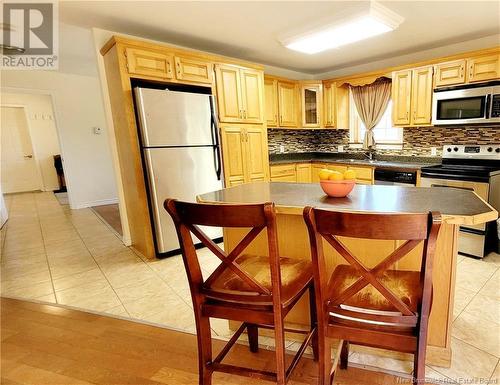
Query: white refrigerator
{"points": [[181, 155]]}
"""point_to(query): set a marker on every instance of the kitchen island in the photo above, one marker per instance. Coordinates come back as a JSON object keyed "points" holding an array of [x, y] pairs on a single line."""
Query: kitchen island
{"points": [[456, 206]]}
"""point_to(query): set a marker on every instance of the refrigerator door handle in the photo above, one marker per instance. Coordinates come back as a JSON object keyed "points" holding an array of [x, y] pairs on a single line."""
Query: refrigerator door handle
{"points": [[215, 140]]}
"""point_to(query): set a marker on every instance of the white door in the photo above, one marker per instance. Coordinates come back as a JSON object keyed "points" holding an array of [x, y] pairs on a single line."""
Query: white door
{"points": [[19, 169]]}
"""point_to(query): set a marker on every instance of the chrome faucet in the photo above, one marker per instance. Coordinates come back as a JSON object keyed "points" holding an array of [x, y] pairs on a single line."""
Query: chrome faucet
{"points": [[369, 155]]}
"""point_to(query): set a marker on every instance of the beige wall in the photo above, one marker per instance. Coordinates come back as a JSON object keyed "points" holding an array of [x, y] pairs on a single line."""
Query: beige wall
{"points": [[43, 132], [78, 108]]}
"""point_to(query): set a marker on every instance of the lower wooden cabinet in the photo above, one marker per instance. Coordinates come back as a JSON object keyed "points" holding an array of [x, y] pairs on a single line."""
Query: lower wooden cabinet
{"points": [[244, 153], [303, 171], [309, 172]]}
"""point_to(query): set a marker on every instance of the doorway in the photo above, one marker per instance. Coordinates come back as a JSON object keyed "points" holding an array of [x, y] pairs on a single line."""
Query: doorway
{"points": [[20, 171], [30, 145]]}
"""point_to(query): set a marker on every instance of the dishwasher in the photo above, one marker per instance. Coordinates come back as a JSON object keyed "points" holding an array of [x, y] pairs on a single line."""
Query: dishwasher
{"points": [[385, 176]]}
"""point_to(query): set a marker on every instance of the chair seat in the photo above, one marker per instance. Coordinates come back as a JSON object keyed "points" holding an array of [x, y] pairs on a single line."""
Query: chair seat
{"points": [[296, 274], [403, 284]]}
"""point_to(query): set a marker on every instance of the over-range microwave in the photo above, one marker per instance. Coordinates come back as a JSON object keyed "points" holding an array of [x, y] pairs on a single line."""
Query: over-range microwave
{"points": [[469, 104]]}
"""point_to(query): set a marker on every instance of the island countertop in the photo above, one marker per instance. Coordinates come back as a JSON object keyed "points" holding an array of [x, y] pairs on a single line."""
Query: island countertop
{"points": [[457, 206]]}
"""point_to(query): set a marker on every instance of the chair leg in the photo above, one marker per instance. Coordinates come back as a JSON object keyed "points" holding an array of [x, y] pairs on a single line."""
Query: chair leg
{"points": [[279, 341], [204, 335], [253, 337], [314, 321], [344, 355], [419, 362], [324, 356]]}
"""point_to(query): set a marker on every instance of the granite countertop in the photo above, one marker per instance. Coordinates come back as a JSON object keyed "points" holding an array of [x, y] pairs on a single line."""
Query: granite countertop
{"points": [[457, 206], [380, 161]]}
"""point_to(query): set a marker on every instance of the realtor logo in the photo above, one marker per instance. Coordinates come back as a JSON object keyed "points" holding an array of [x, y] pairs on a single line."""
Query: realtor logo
{"points": [[29, 35]]}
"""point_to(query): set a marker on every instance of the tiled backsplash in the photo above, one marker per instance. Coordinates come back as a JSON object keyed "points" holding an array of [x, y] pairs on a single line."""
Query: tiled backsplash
{"points": [[417, 141]]}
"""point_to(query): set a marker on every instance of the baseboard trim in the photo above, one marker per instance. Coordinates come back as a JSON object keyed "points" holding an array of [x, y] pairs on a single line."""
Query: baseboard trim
{"points": [[100, 202]]}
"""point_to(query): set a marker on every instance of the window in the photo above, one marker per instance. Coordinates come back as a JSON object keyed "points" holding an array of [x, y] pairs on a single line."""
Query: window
{"points": [[386, 136]]}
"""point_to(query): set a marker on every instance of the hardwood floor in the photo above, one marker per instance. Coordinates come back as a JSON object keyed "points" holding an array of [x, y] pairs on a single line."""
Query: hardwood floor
{"points": [[111, 215], [48, 345]]}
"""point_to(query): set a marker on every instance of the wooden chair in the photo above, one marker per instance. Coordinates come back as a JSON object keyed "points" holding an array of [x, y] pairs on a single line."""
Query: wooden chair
{"points": [[259, 291], [376, 307]]}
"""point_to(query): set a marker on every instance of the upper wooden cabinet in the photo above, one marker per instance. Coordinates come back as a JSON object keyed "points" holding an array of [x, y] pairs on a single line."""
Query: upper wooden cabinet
{"points": [[311, 100], [288, 104], [239, 94], [245, 154], [469, 70], [401, 97], [450, 73], [252, 89], [329, 104], [412, 97], [271, 101], [421, 97], [149, 63], [336, 105], [193, 70], [483, 68]]}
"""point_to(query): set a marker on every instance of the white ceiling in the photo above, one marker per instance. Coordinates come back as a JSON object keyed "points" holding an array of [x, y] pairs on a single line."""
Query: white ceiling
{"points": [[250, 30]]}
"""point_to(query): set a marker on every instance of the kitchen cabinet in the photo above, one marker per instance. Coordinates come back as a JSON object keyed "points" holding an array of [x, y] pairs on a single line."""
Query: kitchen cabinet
{"points": [[336, 105], [303, 172], [450, 73], [193, 69], [239, 94], [271, 101], [149, 63], [252, 89], [311, 100], [412, 96], [283, 173], [401, 97], [244, 153], [483, 68], [421, 99], [288, 104], [329, 104], [257, 154]]}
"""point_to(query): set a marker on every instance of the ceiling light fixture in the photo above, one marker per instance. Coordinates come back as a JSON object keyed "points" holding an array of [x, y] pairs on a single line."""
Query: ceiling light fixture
{"points": [[373, 21]]}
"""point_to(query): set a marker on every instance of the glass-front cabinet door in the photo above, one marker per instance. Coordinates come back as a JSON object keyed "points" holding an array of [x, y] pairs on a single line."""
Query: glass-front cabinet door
{"points": [[311, 103]]}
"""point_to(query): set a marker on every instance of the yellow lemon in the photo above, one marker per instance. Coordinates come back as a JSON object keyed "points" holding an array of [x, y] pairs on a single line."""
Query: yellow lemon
{"points": [[336, 175], [349, 174], [324, 173]]}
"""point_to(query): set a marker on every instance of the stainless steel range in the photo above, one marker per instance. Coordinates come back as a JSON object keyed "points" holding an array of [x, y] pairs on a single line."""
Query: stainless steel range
{"points": [[475, 168]]}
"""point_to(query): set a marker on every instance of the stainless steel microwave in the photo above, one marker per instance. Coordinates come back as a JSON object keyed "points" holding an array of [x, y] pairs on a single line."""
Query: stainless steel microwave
{"points": [[470, 104]]}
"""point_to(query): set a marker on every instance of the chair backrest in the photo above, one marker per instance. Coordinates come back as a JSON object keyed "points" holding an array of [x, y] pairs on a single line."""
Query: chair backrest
{"points": [[188, 217], [412, 228]]}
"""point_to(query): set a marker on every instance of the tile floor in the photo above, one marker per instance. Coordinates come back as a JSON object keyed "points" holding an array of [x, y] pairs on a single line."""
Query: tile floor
{"points": [[71, 257]]}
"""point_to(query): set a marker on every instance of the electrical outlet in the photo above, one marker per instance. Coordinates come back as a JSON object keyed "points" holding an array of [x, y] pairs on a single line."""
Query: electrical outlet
{"points": [[433, 151], [340, 148], [282, 149]]}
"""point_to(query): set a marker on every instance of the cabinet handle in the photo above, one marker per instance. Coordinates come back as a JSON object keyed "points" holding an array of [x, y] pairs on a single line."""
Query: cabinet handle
{"points": [[406, 115], [241, 114], [471, 72], [414, 116], [178, 69], [245, 114], [461, 71]]}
